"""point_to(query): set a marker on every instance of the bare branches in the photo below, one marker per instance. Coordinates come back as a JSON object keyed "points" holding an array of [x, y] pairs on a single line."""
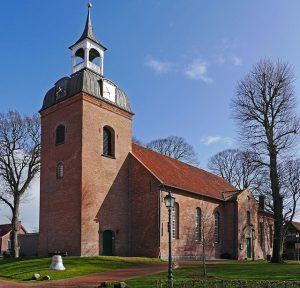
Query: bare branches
{"points": [[19, 160], [240, 168], [175, 147], [264, 107]]}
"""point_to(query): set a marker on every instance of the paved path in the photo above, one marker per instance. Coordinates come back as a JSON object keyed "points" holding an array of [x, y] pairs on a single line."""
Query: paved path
{"points": [[93, 280]]}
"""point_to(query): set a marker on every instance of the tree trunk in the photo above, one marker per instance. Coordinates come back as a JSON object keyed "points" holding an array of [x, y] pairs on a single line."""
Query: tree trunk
{"points": [[203, 256], [15, 228], [278, 217]]}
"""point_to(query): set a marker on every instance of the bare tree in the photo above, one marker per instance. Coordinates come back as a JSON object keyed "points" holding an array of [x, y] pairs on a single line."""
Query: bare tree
{"points": [[290, 183], [137, 141], [224, 164], [264, 106], [238, 167], [206, 234], [175, 147], [19, 162]]}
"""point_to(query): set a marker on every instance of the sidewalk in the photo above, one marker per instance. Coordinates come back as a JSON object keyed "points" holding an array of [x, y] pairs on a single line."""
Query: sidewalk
{"points": [[93, 280]]}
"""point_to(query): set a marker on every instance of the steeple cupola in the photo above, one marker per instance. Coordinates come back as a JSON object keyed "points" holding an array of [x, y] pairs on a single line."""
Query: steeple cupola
{"points": [[87, 52]]}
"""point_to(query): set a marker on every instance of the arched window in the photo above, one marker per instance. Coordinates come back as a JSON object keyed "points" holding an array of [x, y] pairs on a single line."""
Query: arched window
{"points": [[217, 227], [198, 224], [248, 218], [175, 221], [60, 134], [261, 233], [79, 56], [94, 56], [59, 171], [108, 141]]}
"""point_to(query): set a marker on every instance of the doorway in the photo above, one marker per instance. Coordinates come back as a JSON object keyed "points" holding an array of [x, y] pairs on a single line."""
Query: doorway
{"points": [[107, 242], [248, 247]]}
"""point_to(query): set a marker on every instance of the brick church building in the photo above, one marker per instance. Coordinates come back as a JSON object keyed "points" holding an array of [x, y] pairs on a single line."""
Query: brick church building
{"points": [[101, 195]]}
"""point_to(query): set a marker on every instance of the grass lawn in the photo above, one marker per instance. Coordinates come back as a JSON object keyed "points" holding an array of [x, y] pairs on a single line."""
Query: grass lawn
{"points": [[22, 269], [228, 271]]}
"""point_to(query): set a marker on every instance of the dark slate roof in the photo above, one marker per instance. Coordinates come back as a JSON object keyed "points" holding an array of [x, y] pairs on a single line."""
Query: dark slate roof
{"points": [[88, 32], [296, 225], [86, 81], [174, 173], [6, 228]]}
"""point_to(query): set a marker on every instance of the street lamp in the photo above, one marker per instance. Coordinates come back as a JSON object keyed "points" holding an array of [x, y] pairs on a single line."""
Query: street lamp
{"points": [[170, 202], [252, 240]]}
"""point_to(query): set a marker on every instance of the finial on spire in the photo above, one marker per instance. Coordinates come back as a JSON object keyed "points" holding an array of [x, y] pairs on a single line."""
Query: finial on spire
{"points": [[89, 5]]}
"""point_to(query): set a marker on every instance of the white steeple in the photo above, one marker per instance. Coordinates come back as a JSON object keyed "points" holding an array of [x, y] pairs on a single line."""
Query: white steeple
{"points": [[87, 52]]}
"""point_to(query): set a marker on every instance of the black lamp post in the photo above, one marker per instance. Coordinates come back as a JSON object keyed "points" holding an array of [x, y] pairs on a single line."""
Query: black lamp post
{"points": [[170, 202]]}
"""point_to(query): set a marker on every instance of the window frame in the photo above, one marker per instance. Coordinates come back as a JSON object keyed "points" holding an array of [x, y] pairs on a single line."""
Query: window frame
{"points": [[108, 142], [261, 233], [248, 217], [59, 141], [217, 218], [60, 171], [175, 221], [198, 224]]}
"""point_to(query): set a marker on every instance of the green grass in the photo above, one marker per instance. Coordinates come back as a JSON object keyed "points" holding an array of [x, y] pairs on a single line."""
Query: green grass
{"points": [[22, 269], [227, 271]]}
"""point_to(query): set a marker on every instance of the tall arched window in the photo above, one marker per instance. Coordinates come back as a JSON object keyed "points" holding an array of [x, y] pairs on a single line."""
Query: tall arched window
{"points": [[198, 224], [175, 221], [60, 134], [248, 218], [217, 227], [59, 171], [108, 141]]}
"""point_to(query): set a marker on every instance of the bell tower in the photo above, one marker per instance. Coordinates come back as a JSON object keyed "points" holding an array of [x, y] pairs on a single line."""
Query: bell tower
{"points": [[87, 52], [86, 140]]}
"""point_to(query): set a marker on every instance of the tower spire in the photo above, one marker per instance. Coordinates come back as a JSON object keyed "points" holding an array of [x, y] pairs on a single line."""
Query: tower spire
{"points": [[88, 48], [88, 29]]}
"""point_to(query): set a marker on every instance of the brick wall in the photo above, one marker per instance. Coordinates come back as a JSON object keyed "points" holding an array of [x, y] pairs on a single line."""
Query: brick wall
{"points": [[246, 202], [93, 195], [60, 199], [105, 180], [186, 246], [145, 211]]}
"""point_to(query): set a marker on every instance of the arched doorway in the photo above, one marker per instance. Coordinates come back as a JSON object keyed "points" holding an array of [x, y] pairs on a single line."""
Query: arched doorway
{"points": [[107, 243]]}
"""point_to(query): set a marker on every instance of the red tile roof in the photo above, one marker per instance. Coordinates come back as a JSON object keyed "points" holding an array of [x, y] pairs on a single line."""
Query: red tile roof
{"points": [[6, 228], [172, 172]]}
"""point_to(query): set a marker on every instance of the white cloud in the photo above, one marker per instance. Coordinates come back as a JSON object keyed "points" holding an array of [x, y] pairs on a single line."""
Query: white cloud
{"points": [[237, 61], [209, 140], [230, 44], [220, 59], [198, 71], [159, 67]]}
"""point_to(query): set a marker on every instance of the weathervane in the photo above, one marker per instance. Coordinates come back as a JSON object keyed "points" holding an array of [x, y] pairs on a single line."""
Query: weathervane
{"points": [[89, 5]]}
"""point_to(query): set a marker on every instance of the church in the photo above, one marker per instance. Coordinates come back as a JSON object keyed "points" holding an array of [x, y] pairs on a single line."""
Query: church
{"points": [[101, 194]]}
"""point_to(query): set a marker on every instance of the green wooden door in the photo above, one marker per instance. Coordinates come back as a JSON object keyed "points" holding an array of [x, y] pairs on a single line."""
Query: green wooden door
{"points": [[107, 243], [248, 247]]}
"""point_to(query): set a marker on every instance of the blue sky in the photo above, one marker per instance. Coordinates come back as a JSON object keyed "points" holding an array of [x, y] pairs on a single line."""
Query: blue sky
{"points": [[178, 61]]}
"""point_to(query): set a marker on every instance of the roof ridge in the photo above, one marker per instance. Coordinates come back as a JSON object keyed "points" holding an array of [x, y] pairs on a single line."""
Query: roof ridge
{"points": [[175, 173], [173, 159]]}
